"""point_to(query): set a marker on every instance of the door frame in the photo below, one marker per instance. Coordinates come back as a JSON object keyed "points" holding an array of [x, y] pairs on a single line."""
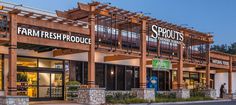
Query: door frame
{"points": [[44, 70]]}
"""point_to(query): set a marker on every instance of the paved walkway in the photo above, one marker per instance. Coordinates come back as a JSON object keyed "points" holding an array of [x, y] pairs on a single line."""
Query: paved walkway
{"points": [[214, 102], [52, 103]]}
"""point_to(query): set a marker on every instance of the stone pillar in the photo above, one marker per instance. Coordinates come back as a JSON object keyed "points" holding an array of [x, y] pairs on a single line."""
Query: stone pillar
{"points": [[142, 92], [210, 93], [91, 96], [181, 92], [147, 94], [208, 67], [14, 100], [91, 53], [12, 56], [230, 76]]}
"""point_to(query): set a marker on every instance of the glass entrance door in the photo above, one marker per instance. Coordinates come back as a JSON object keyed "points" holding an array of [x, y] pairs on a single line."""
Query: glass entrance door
{"points": [[50, 85], [40, 85], [44, 85]]}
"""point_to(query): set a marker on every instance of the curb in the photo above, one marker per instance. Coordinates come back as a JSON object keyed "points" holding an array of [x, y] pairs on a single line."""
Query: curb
{"points": [[190, 102]]}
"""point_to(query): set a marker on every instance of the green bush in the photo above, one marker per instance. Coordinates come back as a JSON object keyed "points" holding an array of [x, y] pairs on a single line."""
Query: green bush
{"points": [[196, 93], [160, 99], [123, 99], [167, 95], [73, 83]]}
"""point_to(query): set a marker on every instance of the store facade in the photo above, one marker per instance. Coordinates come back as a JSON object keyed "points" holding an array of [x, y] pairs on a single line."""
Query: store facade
{"points": [[101, 47]]}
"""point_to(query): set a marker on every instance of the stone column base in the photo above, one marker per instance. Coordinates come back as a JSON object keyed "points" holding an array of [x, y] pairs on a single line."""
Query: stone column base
{"points": [[14, 100], [91, 96], [182, 93], [210, 93], [147, 93]]}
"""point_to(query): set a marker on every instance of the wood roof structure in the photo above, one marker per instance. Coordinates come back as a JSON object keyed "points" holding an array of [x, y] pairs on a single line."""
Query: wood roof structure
{"points": [[123, 17]]}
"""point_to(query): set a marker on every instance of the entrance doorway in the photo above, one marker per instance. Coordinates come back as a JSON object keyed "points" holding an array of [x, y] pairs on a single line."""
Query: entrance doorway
{"points": [[40, 85], [40, 79]]}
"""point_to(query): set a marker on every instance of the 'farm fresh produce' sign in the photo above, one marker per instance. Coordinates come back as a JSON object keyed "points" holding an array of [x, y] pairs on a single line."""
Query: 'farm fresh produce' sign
{"points": [[53, 35]]}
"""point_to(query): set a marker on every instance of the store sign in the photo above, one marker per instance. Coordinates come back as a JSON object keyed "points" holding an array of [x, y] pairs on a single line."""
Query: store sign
{"points": [[158, 64], [220, 62], [53, 35], [165, 34]]}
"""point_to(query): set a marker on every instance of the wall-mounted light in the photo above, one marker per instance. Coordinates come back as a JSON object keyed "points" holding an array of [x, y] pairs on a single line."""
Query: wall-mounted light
{"points": [[112, 72]]}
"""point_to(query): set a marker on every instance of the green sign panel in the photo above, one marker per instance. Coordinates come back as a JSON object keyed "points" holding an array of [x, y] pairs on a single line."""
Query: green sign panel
{"points": [[158, 64]]}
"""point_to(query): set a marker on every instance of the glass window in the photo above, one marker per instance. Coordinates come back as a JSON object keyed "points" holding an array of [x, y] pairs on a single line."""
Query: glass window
{"points": [[110, 77], [120, 77], [100, 77], [186, 74], [136, 77], [1, 72], [79, 71], [56, 83], [129, 78], [26, 62], [45, 63], [27, 84]]}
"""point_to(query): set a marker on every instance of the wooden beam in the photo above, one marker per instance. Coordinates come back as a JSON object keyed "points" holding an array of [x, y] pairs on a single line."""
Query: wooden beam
{"points": [[52, 25], [118, 57], [61, 52]]}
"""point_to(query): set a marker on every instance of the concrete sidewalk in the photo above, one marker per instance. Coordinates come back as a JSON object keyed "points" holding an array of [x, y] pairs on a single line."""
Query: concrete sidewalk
{"points": [[166, 103], [181, 103]]}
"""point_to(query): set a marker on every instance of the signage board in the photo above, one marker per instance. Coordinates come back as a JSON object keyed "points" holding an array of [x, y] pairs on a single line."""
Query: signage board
{"points": [[53, 35], [220, 62], [165, 34], [158, 64]]}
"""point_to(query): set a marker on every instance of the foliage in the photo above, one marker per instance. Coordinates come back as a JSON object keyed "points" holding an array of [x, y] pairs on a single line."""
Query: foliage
{"points": [[22, 77], [196, 93], [230, 49], [73, 85], [123, 99], [167, 95], [159, 99]]}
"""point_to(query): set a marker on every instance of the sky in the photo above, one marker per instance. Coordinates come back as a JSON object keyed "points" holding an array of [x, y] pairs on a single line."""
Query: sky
{"points": [[215, 16]]}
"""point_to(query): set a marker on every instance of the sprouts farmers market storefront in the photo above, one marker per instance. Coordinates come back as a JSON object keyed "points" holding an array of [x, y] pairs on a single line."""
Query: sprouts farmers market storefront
{"points": [[105, 51]]}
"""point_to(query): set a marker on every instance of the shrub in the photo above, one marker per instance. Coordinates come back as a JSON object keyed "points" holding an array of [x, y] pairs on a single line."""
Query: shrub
{"points": [[196, 93], [73, 85], [123, 99]]}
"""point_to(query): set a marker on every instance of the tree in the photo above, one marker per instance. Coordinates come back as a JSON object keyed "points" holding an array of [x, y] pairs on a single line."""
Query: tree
{"points": [[230, 49]]}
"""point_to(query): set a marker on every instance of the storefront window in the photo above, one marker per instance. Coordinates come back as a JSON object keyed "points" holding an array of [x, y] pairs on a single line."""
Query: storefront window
{"points": [[174, 80], [1, 72], [27, 84], [45, 63], [129, 78], [110, 77], [26, 62], [100, 77], [120, 77], [56, 83]]}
